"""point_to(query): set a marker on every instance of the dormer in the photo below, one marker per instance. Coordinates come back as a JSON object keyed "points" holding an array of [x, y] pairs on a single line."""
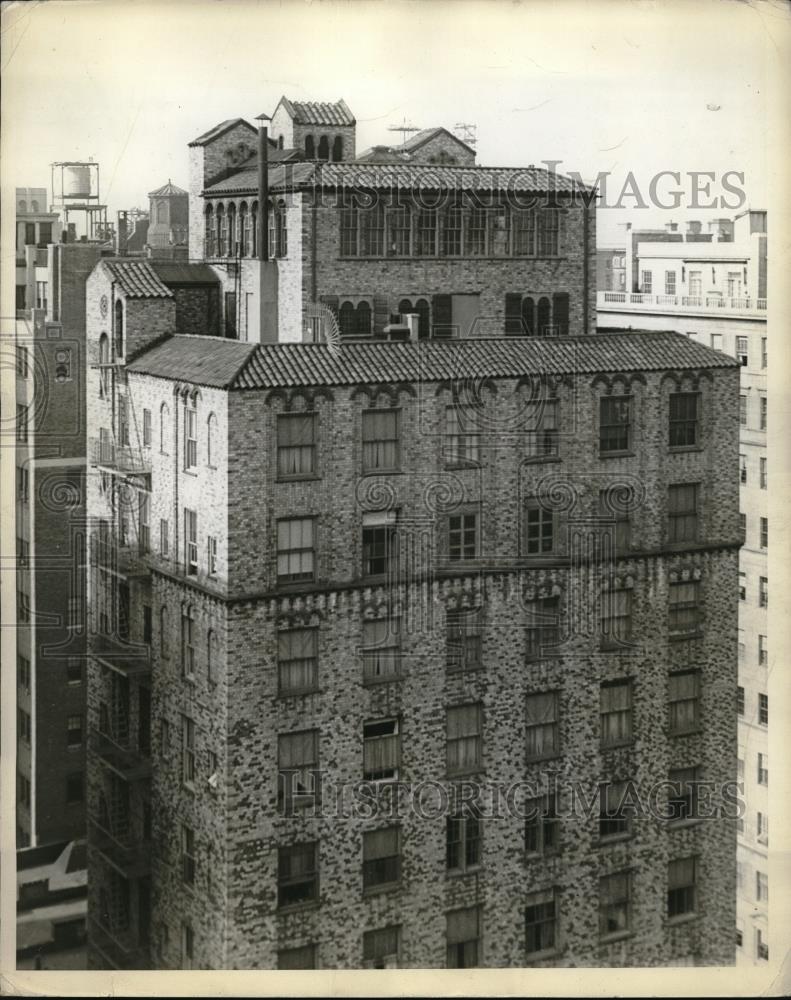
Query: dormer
{"points": [[317, 130]]}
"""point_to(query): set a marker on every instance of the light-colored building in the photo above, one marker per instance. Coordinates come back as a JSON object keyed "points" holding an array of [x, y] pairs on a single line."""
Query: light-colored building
{"points": [[36, 228], [715, 293]]}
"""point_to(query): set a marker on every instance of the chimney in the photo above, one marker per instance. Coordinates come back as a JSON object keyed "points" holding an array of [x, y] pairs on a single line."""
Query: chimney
{"points": [[693, 227], [671, 227]]}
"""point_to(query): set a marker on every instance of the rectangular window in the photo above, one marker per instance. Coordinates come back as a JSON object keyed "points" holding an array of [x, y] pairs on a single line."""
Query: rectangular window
{"points": [[211, 555], [475, 233], [741, 350], [763, 352], [379, 543], [684, 702], [298, 874], [670, 282], [464, 639], [164, 541], [21, 422], [381, 750], [682, 798], [739, 700], [462, 537], [451, 232], [764, 537], [461, 435], [372, 232], [616, 617], [191, 542], [742, 468], [187, 645], [191, 438], [683, 430], [187, 854], [380, 948], [763, 769], [381, 858], [681, 886], [74, 731], [464, 738], [763, 709], [147, 623], [615, 424], [615, 899], [400, 224], [539, 529], [684, 607], [21, 361], [23, 726], [297, 661], [742, 586], [75, 787], [462, 842], [763, 651], [22, 607], [541, 425], [761, 947], [542, 725], [716, 338], [761, 887], [763, 476], [762, 412], [614, 810], [303, 957], [543, 627], [349, 232], [541, 930], [147, 428], [647, 282], [463, 936], [743, 526], [743, 410], [426, 232], [542, 826], [298, 769], [381, 450], [763, 592], [24, 791], [682, 512], [619, 523], [187, 750], [381, 649], [295, 550], [41, 295], [143, 522], [547, 220], [616, 713], [762, 828], [24, 672], [296, 445], [524, 230], [22, 484]]}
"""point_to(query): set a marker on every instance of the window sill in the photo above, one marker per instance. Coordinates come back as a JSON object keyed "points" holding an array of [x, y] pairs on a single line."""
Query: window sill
{"points": [[617, 454], [531, 856], [294, 586], [300, 693], [466, 773], [191, 472], [452, 671], [541, 956], [461, 872], [308, 478], [684, 824], [188, 786], [619, 838], [620, 745], [548, 756], [617, 936], [677, 449], [685, 732], [288, 908], [681, 636], [376, 681], [682, 918], [541, 460], [383, 472], [462, 465], [378, 890]]}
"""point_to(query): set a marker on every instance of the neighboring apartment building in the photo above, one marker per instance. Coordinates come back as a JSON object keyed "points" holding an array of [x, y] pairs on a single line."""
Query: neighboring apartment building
{"points": [[721, 301], [36, 227], [477, 556]]}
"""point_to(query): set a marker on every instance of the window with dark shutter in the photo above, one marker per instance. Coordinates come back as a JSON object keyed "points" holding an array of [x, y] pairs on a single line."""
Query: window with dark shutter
{"points": [[513, 314], [442, 306], [560, 310]]}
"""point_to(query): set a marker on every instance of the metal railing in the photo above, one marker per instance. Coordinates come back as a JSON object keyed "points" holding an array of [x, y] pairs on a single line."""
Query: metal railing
{"points": [[715, 304], [115, 747], [122, 458]]}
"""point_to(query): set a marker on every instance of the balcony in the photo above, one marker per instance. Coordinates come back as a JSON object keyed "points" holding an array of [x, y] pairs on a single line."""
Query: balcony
{"points": [[118, 946], [130, 558], [118, 751], [118, 458], [707, 305], [120, 845], [127, 658]]}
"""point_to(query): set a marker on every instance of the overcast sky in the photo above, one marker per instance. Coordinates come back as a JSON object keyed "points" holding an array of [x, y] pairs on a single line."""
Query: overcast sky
{"points": [[606, 86]]}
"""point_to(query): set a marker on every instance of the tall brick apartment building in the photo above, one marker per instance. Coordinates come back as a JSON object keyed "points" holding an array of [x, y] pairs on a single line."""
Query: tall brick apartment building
{"points": [[499, 555]]}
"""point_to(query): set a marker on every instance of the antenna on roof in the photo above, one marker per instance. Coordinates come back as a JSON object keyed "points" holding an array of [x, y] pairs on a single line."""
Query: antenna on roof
{"points": [[403, 128], [466, 131]]}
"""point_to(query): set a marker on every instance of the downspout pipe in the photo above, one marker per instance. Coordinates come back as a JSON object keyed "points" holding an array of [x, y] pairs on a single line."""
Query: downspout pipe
{"points": [[263, 188]]}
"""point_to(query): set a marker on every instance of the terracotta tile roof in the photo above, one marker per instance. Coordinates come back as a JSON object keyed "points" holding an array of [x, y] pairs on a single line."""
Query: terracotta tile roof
{"points": [[230, 364], [174, 272], [167, 190], [318, 112], [428, 177], [137, 279], [218, 130], [424, 135]]}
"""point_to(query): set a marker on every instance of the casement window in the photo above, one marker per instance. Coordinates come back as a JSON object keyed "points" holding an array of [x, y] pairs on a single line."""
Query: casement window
{"points": [[74, 727], [23, 665], [619, 523], [541, 425], [143, 522], [379, 543], [22, 484], [298, 769], [761, 946], [763, 769], [762, 828], [278, 231], [684, 702], [615, 424], [684, 607], [164, 419], [187, 750], [739, 700], [21, 422], [670, 282], [187, 854], [381, 443], [541, 923], [742, 468], [463, 842], [147, 428], [616, 713], [540, 535], [296, 445], [682, 512], [743, 410], [463, 937], [295, 550], [742, 586], [681, 887], [399, 231], [191, 436], [211, 555], [425, 232], [761, 887], [543, 626], [763, 592], [614, 810], [542, 826], [372, 231], [188, 644], [763, 709], [381, 858], [616, 617], [381, 750], [381, 947], [211, 441], [542, 729], [683, 427], [298, 874], [349, 232], [741, 350], [297, 661], [21, 361], [764, 533], [464, 639], [647, 283], [24, 791], [762, 403], [523, 224], [381, 649], [462, 537], [164, 540], [615, 904], [41, 294], [190, 542], [450, 237], [461, 435], [682, 799], [763, 352], [763, 479], [23, 726], [547, 230], [303, 957], [475, 233], [464, 738]]}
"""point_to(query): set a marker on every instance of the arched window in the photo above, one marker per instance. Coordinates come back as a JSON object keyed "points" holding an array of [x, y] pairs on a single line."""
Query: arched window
{"points": [[119, 328], [164, 428], [244, 229], [34, 206], [310, 148], [363, 320], [278, 239], [254, 228], [104, 359], [337, 149], [222, 231], [162, 211], [324, 148], [211, 440], [164, 632], [209, 235], [543, 317], [187, 641], [231, 217], [23, 206], [347, 319], [211, 654], [528, 316], [423, 321]]}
